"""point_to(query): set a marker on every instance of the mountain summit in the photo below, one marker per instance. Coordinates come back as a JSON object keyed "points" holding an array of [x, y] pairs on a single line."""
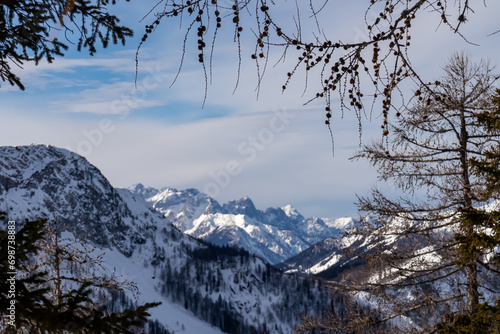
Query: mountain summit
{"points": [[275, 234]]}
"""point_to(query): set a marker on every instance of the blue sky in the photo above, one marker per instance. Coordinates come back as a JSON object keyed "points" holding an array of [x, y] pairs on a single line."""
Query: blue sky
{"points": [[275, 150]]}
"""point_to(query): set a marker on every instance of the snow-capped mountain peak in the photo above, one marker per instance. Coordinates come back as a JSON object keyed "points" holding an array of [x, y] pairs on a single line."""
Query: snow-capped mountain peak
{"points": [[274, 234], [243, 206], [291, 212], [143, 191]]}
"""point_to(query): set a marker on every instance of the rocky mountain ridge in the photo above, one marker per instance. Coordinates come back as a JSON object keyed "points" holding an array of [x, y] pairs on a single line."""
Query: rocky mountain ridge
{"points": [[274, 234]]}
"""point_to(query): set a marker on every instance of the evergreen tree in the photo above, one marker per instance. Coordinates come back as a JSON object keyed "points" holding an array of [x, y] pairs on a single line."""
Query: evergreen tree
{"points": [[429, 251], [70, 260], [26, 27], [38, 312], [32, 303], [488, 166], [486, 318]]}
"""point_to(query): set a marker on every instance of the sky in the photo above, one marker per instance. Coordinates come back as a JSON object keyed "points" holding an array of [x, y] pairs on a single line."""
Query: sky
{"points": [[265, 145]]}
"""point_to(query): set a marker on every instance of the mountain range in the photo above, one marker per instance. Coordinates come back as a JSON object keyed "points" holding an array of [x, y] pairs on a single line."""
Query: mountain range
{"points": [[216, 268], [274, 234], [204, 288]]}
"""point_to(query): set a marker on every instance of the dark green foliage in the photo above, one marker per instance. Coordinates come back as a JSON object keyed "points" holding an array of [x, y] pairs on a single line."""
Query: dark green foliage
{"points": [[26, 27], [488, 167], [214, 252], [486, 320], [30, 292], [80, 315], [35, 311], [473, 239]]}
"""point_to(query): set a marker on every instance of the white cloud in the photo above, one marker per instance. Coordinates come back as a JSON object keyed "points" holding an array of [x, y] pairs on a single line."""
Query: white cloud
{"points": [[72, 65], [118, 98], [293, 166]]}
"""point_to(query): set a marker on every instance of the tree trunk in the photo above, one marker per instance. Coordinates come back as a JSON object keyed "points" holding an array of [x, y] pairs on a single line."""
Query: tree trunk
{"points": [[471, 267], [472, 288]]}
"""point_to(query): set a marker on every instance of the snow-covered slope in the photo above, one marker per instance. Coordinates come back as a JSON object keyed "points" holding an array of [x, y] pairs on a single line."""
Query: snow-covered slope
{"points": [[203, 288], [325, 259], [275, 234]]}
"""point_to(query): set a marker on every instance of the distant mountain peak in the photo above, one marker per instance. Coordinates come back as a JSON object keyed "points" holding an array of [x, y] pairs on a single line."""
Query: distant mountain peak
{"points": [[143, 191], [243, 206], [274, 234], [291, 212]]}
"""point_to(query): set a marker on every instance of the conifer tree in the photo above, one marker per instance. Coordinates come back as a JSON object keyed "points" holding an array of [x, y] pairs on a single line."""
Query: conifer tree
{"points": [[30, 290], [37, 311], [31, 31], [486, 318], [72, 260], [431, 250]]}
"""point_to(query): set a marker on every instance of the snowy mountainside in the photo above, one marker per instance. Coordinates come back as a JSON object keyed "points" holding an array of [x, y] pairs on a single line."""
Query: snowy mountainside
{"points": [[343, 260], [275, 234], [203, 288], [332, 256], [43, 181], [326, 259]]}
